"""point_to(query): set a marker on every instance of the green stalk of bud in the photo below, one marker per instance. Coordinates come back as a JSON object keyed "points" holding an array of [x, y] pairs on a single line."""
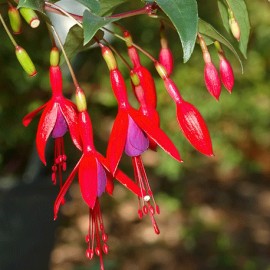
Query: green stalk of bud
{"points": [[25, 61], [30, 17], [54, 57], [15, 20]]}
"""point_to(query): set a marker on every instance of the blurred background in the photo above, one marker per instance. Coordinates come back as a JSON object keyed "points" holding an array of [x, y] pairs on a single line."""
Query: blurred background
{"points": [[215, 212]]}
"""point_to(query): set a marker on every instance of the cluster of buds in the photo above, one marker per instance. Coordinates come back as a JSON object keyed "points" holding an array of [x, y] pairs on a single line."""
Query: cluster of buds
{"points": [[211, 76], [134, 131]]}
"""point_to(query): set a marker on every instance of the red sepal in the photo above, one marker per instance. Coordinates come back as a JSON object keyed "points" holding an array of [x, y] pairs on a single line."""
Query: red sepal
{"points": [[194, 128], [45, 127], [117, 140], [29, 117], [88, 179], [155, 133]]}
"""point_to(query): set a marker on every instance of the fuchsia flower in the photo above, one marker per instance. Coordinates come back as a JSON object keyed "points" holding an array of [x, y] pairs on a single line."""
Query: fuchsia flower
{"points": [[166, 59], [59, 116], [119, 132], [94, 179], [226, 73]]}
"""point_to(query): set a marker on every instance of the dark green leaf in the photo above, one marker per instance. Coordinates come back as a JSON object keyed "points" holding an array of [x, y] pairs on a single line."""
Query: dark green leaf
{"points": [[93, 5], [74, 42], [208, 31], [184, 16], [241, 15], [92, 23], [33, 4], [107, 6]]}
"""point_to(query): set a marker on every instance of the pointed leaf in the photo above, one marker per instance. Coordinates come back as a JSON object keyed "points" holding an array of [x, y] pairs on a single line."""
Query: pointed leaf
{"points": [[155, 133], [64, 189], [194, 128], [92, 23], [207, 30], [184, 16], [107, 6], [117, 140], [240, 12], [45, 127], [93, 5], [88, 179]]}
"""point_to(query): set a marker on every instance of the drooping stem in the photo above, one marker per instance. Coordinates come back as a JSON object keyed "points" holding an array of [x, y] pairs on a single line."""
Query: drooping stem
{"points": [[8, 32]]}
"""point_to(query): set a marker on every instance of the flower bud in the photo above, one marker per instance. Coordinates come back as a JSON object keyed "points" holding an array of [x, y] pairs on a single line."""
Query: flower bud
{"points": [[166, 59], [161, 70], [234, 26], [226, 74], [212, 80], [15, 20], [80, 100], [30, 17], [54, 57], [109, 58], [25, 61], [194, 128]]}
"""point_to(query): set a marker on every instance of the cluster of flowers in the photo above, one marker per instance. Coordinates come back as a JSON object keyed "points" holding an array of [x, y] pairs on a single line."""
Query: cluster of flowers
{"points": [[134, 130]]}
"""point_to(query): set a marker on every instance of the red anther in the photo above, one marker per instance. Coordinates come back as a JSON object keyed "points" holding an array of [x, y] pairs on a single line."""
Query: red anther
{"points": [[166, 59], [54, 168], [64, 166], [226, 74], [105, 248], [64, 157], [101, 226], [157, 209], [104, 237], [156, 229], [212, 80], [54, 178], [140, 213], [89, 253], [145, 209], [87, 238], [97, 251], [151, 209]]}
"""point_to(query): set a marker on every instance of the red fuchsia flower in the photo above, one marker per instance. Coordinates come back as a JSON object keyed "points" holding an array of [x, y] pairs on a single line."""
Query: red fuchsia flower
{"points": [[122, 122], [59, 116], [226, 74], [190, 120], [94, 179], [211, 77]]}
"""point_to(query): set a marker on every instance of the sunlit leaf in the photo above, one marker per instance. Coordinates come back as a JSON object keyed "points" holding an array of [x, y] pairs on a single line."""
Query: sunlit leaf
{"points": [[184, 16], [93, 5], [33, 4]]}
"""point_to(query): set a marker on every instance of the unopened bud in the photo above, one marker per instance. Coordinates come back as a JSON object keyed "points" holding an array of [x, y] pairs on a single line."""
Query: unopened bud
{"points": [[212, 80], [128, 39], [30, 17], [15, 20], [161, 70], [109, 58], [80, 100], [25, 61], [166, 59], [234, 26], [226, 74], [134, 78], [54, 57]]}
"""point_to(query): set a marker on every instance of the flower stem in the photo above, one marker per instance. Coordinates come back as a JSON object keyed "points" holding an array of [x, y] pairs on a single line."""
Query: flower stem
{"points": [[8, 32]]}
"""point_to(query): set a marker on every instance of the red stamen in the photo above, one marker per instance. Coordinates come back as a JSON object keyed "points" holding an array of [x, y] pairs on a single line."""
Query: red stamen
{"points": [[96, 237], [145, 206]]}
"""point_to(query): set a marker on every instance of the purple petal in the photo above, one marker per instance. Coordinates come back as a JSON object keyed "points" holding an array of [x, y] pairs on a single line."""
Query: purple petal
{"points": [[137, 142], [60, 127], [101, 175]]}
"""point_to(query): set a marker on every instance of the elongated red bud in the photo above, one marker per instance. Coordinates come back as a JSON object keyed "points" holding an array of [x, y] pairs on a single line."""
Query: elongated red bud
{"points": [[226, 74], [109, 58], [30, 17], [234, 26], [25, 61], [54, 56], [56, 80], [194, 128], [212, 80], [15, 20], [132, 51], [166, 59]]}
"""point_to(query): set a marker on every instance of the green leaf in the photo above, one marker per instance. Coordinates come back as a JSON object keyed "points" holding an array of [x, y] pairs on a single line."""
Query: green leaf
{"points": [[93, 5], [74, 42], [184, 16], [92, 23], [107, 6], [208, 31], [33, 4], [239, 9]]}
